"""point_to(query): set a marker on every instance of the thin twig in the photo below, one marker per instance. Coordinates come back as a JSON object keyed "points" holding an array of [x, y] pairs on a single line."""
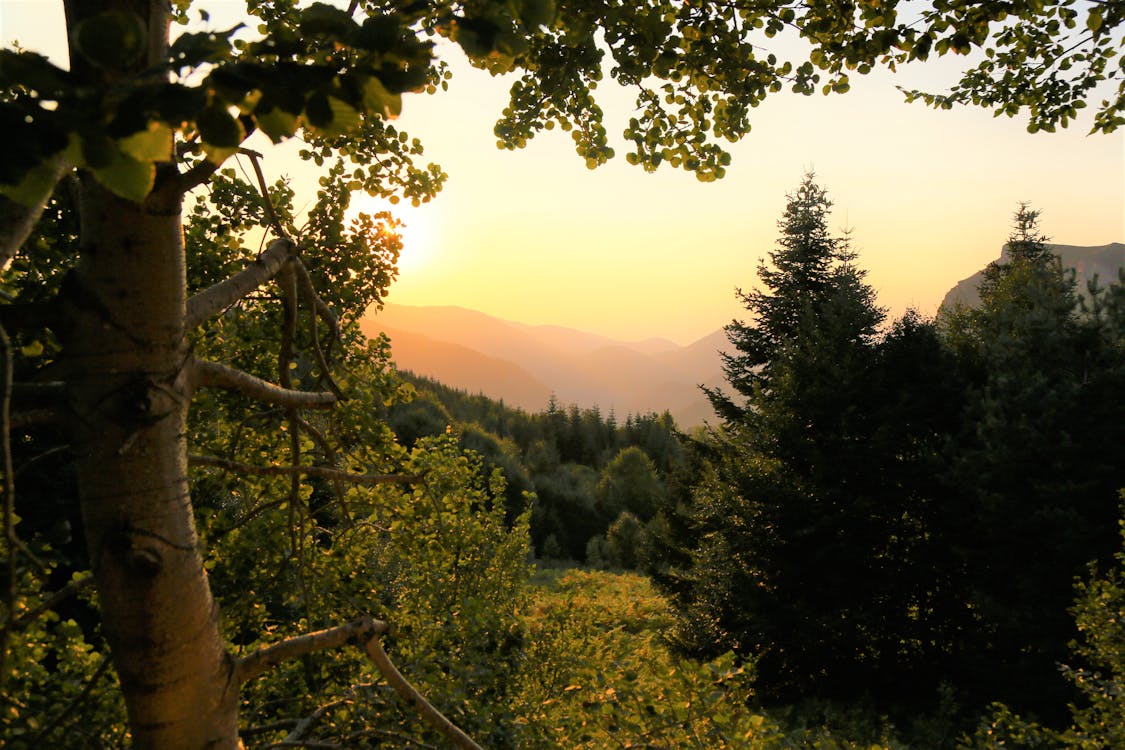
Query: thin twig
{"points": [[23, 621], [312, 298], [273, 726], [32, 417], [9, 494], [323, 472], [271, 213], [329, 458], [77, 701], [304, 725]]}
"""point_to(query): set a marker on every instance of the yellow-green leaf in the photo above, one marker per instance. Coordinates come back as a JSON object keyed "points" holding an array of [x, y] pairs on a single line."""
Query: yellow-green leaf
{"points": [[154, 143], [35, 186], [34, 349], [378, 100], [127, 177]]}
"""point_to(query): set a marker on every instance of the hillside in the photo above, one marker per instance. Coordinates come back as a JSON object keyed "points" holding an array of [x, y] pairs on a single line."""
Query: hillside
{"points": [[1102, 261], [524, 364]]}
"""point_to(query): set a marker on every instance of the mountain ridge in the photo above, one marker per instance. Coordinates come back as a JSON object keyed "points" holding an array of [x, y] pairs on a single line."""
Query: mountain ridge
{"points": [[525, 364], [1087, 261]]}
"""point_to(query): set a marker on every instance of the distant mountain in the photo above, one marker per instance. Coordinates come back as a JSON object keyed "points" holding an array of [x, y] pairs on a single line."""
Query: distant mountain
{"points": [[523, 364], [1103, 261]]}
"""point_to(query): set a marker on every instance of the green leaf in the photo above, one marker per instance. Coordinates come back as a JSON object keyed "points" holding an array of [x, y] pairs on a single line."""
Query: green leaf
{"points": [[378, 100], [331, 115], [152, 144], [35, 186], [127, 177], [98, 149], [321, 19], [112, 39], [34, 349], [276, 123], [219, 128]]}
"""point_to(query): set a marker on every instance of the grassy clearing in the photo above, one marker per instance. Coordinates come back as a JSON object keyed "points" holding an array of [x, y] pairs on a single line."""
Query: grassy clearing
{"points": [[600, 674]]}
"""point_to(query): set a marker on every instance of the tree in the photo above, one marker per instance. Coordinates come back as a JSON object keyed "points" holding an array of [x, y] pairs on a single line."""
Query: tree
{"points": [[808, 531], [629, 483], [139, 121], [1034, 480]]}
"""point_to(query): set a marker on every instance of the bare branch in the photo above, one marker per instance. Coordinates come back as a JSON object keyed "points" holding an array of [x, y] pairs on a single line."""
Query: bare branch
{"points": [[24, 419], [214, 375], [196, 175], [366, 632], [271, 213], [10, 581], [256, 664], [36, 403], [273, 726], [214, 299], [318, 308], [329, 456], [436, 719], [322, 472], [304, 725]]}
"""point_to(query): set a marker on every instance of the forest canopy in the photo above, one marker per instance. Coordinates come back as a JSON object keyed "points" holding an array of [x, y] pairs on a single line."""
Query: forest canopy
{"points": [[198, 427]]}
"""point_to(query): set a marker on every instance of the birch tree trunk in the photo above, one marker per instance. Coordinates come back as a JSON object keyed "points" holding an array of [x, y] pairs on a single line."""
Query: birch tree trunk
{"points": [[128, 391]]}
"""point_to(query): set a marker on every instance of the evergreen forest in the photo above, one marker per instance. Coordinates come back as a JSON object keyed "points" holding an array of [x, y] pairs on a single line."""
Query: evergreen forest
{"points": [[231, 522]]}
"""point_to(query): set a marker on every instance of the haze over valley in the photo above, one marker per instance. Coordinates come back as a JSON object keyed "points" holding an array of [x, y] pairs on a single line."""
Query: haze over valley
{"points": [[523, 365]]}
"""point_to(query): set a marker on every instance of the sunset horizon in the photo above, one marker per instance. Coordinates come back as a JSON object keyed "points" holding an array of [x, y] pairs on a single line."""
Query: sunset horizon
{"points": [[534, 236]]}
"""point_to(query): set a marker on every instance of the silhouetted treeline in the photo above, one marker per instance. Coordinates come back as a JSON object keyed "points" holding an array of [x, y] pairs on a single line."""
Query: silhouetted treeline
{"points": [[900, 515]]}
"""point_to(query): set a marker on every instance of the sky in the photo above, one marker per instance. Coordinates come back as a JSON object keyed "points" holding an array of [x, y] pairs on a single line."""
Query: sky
{"points": [[534, 236]]}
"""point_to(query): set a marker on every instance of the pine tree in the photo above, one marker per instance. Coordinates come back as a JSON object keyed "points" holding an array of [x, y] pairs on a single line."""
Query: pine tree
{"points": [[1037, 465], [800, 547]]}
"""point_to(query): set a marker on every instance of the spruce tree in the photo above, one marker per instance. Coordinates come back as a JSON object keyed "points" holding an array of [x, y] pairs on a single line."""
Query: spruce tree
{"points": [[1037, 465], [795, 550]]}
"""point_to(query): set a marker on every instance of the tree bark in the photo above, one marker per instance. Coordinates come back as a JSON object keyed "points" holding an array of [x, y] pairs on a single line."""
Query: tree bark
{"points": [[128, 393]]}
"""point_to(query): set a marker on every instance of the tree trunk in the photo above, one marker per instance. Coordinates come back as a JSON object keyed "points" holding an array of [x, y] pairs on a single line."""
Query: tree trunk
{"points": [[125, 356]]}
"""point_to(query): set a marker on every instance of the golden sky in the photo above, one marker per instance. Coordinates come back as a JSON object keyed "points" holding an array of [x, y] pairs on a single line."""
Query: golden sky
{"points": [[535, 236]]}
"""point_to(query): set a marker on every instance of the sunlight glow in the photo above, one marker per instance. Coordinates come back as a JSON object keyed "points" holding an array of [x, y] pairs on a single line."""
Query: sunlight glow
{"points": [[418, 227]]}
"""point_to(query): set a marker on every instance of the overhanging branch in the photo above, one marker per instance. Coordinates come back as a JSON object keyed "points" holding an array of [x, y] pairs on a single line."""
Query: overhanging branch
{"points": [[364, 631], [407, 691], [322, 472], [218, 297], [214, 375], [264, 659]]}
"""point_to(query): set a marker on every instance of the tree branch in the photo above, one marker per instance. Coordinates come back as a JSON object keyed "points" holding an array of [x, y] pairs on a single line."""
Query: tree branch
{"points": [[77, 701], [271, 213], [322, 472], [214, 299], [17, 220], [365, 631], [407, 691], [196, 175], [317, 308], [214, 375], [10, 582], [268, 657], [23, 621], [304, 725]]}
